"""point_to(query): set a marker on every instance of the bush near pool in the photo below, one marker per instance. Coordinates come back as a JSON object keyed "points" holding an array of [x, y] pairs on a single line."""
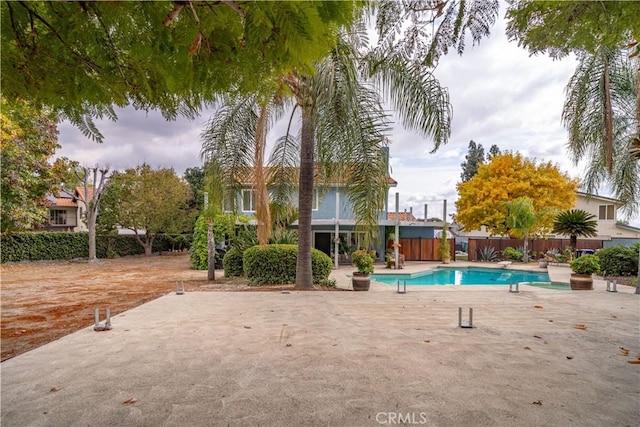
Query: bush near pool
{"points": [[276, 264], [232, 263]]}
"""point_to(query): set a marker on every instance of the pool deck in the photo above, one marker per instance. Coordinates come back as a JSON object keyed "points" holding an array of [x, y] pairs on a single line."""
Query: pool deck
{"points": [[537, 358]]}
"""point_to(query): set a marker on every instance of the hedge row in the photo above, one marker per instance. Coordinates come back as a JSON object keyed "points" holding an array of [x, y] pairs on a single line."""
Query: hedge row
{"points": [[276, 264], [58, 245]]}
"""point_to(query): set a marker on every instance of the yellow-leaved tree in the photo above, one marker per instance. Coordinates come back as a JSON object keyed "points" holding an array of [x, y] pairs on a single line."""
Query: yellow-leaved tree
{"points": [[483, 200]]}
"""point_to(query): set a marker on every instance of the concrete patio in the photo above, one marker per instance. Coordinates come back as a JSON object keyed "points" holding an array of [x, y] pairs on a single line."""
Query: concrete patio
{"points": [[343, 359]]}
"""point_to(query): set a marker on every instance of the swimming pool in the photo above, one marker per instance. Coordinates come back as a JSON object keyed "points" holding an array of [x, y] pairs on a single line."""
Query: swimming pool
{"points": [[468, 276]]}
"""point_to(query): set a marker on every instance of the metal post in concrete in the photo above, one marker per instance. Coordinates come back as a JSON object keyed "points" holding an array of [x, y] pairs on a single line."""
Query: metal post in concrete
{"points": [[465, 325], [404, 287]]}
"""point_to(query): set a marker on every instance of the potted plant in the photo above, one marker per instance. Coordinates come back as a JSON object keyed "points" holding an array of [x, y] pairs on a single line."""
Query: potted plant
{"points": [[542, 260], [363, 261], [583, 268], [443, 246]]}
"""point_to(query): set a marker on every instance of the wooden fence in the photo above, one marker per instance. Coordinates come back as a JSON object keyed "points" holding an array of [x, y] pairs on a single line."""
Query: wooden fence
{"points": [[422, 249], [538, 245]]}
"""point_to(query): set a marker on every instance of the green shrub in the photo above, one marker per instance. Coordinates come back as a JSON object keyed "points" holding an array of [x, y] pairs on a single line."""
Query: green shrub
{"points": [[232, 263], [276, 264], [363, 261], [619, 260], [512, 254], [586, 264], [321, 265], [198, 248]]}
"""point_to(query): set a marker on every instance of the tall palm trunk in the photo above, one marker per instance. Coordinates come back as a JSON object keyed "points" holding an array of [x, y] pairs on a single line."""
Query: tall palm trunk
{"points": [[304, 279], [608, 115], [263, 214]]}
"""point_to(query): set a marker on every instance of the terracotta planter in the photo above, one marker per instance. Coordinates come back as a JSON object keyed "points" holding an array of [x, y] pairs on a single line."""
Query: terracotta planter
{"points": [[360, 281], [581, 282]]}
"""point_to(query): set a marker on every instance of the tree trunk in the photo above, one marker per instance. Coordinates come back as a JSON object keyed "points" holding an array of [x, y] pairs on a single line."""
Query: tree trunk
{"points": [[147, 249], [608, 116], [573, 242], [211, 253], [91, 225], [304, 278], [525, 255]]}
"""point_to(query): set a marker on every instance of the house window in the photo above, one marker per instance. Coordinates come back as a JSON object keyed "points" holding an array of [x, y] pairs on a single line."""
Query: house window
{"points": [[57, 217], [248, 200], [315, 200], [606, 212]]}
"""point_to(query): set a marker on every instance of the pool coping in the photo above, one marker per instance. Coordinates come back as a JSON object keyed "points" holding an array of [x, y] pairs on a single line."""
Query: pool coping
{"points": [[558, 273], [431, 268]]}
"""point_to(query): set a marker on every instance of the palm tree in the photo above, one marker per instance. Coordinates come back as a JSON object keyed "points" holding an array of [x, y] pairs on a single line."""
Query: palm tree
{"points": [[343, 127], [602, 116], [574, 223], [522, 221], [342, 123]]}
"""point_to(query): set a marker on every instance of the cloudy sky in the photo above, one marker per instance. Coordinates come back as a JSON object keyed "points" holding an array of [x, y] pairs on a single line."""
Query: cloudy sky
{"points": [[500, 95]]}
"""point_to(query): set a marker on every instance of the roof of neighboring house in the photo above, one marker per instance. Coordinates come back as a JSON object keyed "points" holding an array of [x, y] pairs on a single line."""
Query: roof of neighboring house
{"points": [[403, 216], [80, 193], [67, 200], [589, 196], [627, 227], [61, 201]]}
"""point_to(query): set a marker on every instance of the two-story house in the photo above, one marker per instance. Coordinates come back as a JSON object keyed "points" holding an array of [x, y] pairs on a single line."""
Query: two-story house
{"points": [[606, 209], [67, 210], [332, 215]]}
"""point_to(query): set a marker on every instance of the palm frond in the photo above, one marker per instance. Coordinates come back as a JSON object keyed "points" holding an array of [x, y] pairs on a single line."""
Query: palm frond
{"points": [[584, 115], [229, 141], [414, 92]]}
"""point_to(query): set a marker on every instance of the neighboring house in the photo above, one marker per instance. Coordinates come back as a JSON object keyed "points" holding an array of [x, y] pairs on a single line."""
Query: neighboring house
{"points": [[67, 211], [610, 230], [606, 211]]}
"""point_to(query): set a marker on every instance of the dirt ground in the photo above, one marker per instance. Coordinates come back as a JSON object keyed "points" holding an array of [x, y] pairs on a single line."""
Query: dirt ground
{"points": [[43, 301]]}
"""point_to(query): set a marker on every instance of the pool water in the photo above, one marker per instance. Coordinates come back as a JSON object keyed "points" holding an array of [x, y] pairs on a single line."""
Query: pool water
{"points": [[468, 276]]}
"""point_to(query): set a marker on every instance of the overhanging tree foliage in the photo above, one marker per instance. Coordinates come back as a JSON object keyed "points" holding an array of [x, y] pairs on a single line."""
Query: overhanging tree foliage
{"points": [[81, 58], [559, 27]]}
